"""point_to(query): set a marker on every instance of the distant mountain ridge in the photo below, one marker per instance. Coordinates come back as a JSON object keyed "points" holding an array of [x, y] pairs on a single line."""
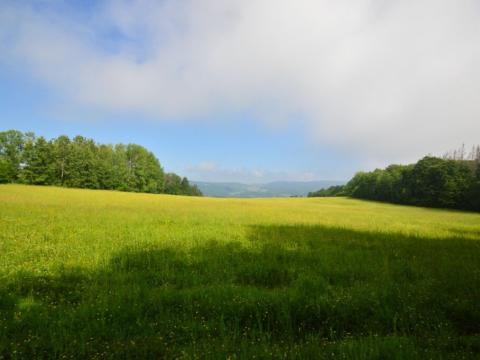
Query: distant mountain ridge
{"points": [[271, 189]]}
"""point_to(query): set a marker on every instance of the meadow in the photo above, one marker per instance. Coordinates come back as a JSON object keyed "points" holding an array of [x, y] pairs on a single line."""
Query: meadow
{"points": [[104, 274]]}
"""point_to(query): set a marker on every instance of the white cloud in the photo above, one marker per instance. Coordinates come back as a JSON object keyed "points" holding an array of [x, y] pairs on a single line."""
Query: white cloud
{"points": [[390, 80]]}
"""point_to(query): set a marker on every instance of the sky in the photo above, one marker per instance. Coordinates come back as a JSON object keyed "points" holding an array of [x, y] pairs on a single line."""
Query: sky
{"points": [[247, 90]]}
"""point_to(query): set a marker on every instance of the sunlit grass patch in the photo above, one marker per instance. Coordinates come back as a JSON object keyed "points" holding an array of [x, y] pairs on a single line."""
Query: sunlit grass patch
{"points": [[88, 274]]}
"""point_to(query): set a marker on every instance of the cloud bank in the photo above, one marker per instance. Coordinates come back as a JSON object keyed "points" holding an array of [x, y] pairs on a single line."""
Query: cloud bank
{"points": [[388, 80]]}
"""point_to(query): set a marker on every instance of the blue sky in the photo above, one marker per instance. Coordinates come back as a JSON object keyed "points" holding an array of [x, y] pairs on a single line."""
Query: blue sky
{"points": [[249, 91], [235, 147]]}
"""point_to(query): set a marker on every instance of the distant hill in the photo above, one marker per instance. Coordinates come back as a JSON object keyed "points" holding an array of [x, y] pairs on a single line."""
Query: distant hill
{"points": [[272, 189]]}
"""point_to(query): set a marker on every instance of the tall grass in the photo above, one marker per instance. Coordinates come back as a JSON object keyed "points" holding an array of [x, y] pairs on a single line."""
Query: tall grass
{"points": [[97, 274]]}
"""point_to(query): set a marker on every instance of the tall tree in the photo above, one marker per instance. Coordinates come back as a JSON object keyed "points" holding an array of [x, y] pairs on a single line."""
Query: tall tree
{"points": [[83, 172], [172, 184], [441, 183], [430, 182], [61, 149], [11, 148], [83, 163], [37, 161]]}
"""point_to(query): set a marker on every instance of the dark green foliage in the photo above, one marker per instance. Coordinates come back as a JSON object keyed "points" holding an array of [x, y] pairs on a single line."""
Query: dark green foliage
{"points": [[175, 185], [432, 182], [441, 183], [82, 163], [391, 184], [304, 292], [338, 190], [11, 149], [61, 149], [82, 169], [475, 191], [37, 167], [172, 183]]}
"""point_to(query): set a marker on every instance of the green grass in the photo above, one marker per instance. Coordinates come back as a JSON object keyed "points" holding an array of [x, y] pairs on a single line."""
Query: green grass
{"points": [[99, 274]]}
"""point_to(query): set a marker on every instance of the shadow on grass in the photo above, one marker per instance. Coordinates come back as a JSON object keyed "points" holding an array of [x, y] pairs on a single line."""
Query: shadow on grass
{"points": [[473, 233], [297, 291]]}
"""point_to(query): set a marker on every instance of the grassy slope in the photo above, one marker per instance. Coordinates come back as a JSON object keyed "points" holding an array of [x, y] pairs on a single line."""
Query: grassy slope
{"points": [[99, 274]]}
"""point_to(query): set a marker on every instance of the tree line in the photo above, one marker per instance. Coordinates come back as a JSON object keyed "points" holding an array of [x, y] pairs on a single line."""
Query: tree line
{"points": [[82, 163], [448, 182]]}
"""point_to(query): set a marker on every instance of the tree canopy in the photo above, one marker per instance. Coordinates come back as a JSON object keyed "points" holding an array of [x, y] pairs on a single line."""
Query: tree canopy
{"points": [[433, 182], [83, 163]]}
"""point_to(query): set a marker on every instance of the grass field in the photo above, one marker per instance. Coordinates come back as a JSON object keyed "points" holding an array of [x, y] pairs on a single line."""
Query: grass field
{"points": [[99, 274]]}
